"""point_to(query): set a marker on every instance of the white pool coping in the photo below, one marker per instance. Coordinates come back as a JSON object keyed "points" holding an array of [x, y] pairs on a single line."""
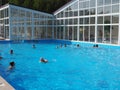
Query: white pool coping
{"points": [[4, 85]]}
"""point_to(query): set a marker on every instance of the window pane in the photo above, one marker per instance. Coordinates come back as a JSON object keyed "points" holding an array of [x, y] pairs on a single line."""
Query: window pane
{"points": [[70, 21], [114, 35], [92, 20], [107, 33], [115, 8], [100, 10], [92, 33], [81, 13], [86, 4], [100, 2], [81, 33], [100, 34], [115, 1], [75, 21], [86, 21], [107, 9], [81, 5], [92, 11], [75, 33], [75, 13], [81, 20], [107, 20], [86, 12], [115, 19], [107, 2], [100, 20], [92, 3], [86, 33]]}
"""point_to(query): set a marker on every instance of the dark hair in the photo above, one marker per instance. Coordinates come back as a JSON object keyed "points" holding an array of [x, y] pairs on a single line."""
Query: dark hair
{"points": [[12, 63], [96, 45], [11, 51]]}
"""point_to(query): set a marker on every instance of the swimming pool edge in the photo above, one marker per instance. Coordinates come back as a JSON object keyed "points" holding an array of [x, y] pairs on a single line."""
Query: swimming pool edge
{"points": [[4, 85]]}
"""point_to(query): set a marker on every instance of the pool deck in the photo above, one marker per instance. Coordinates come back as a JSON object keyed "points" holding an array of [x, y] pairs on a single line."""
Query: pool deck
{"points": [[4, 85]]}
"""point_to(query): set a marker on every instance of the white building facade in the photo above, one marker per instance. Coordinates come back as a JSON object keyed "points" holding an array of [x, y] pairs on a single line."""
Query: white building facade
{"points": [[89, 21]]}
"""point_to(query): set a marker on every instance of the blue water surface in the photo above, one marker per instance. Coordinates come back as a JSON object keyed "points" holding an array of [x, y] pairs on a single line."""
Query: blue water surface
{"points": [[68, 68]]}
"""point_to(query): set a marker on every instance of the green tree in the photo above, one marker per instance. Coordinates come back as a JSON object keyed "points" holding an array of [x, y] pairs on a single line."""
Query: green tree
{"points": [[16, 2], [42, 5]]}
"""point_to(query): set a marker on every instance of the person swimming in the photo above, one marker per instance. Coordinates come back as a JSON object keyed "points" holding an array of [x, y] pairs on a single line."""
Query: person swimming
{"points": [[33, 46], [95, 46], [12, 65], [78, 45], [43, 60]]}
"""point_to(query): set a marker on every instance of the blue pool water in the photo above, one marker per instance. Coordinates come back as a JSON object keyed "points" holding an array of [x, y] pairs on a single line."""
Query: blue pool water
{"points": [[68, 68]]}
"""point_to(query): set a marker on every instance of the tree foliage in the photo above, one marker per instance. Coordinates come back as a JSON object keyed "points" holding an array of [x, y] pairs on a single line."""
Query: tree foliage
{"points": [[48, 6]]}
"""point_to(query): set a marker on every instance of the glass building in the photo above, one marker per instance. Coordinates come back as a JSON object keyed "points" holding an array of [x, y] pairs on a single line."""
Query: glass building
{"points": [[95, 21], [18, 23], [89, 21]]}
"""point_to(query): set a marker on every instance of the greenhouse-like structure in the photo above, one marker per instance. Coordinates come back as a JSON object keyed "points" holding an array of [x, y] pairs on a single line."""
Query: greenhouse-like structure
{"points": [[95, 21], [18, 23]]}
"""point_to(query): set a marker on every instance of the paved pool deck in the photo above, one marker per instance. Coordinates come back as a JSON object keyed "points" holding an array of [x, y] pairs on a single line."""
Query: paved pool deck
{"points": [[4, 85]]}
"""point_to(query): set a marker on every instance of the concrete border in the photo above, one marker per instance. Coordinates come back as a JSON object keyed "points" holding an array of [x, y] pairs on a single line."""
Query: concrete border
{"points": [[4, 85]]}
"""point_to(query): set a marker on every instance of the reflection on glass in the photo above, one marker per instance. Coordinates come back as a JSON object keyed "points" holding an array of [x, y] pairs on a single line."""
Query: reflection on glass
{"points": [[81, 21], [29, 33], [107, 9], [107, 33], [81, 13], [86, 33], [92, 3], [49, 32], [81, 5], [100, 34], [70, 33], [115, 1], [66, 33], [76, 6], [92, 20], [86, 21], [70, 21], [107, 19], [114, 38], [86, 12], [100, 10], [75, 33], [100, 20], [115, 8], [115, 19], [76, 21], [86, 4], [81, 33], [107, 2], [75, 13], [92, 33], [100, 2], [92, 11]]}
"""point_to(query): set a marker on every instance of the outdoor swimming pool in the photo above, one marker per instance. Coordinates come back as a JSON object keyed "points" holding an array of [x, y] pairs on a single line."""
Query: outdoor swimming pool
{"points": [[68, 68]]}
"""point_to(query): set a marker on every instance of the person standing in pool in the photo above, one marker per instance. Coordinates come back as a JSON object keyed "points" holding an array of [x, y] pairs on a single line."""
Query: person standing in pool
{"points": [[1, 56], [11, 51]]}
